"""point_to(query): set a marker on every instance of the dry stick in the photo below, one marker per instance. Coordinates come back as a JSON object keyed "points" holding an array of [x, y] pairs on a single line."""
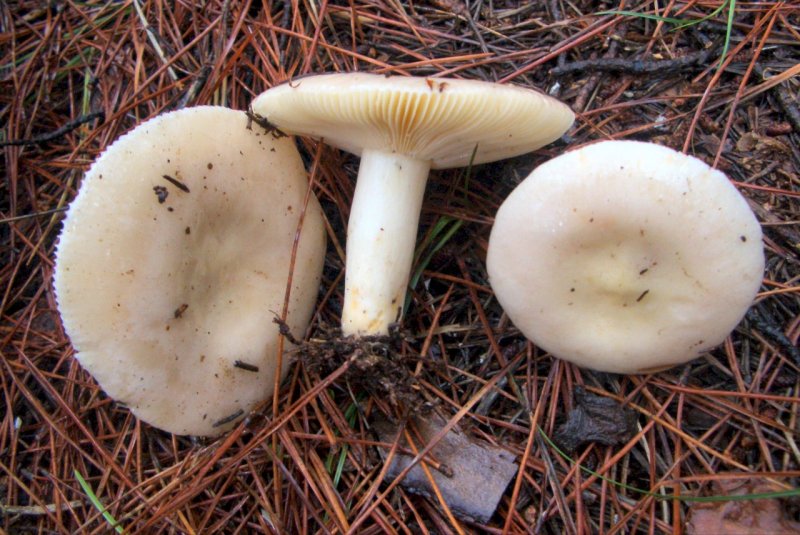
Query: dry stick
{"points": [[648, 510], [741, 88], [744, 415], [576, 40], [481, 315], [190, 93], [637, 66], [284, 314], [219, 451], [748, 405], [474, 26], [438, 493], [422, 529], [765, 322], [57, 133], [62, 200], [276, 460], [330, 411], [656, 418], [707, 92], [214, 503], [534, 423], [555, 485], [435, 36], [259, 496], [136, 99], [31, 216], [151, 36], [726, 393], [647, 500], [229, 52], [715, 476], [315, 40], [431, 62], [333, 48], [557, 16], [706, 478], [324, 493], [677, 455], [488, 328], [785, 101], [663, 481], [582, 99], [408, 23], [38, 510], [365, 499], [432, 329]]}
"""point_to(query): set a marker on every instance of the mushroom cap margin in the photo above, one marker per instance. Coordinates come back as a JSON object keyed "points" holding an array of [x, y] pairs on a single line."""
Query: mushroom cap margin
{"points": [[433, 119]]}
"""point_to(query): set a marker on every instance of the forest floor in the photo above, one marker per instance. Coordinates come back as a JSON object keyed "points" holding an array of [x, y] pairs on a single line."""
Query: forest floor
{"points": [[715, 79]]}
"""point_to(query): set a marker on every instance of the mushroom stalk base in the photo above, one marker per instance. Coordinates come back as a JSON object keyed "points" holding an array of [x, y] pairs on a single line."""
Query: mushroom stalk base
{"points": [[380, 240]]}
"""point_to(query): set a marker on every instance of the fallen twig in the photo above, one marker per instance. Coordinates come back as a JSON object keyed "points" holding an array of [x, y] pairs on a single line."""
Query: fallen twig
{"points": [[637, 66], [57, 133]]}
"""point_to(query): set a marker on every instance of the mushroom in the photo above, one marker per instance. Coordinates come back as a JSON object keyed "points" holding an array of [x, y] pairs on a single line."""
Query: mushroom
{"points": [[625, 257], [402, 127], [173, 260]]}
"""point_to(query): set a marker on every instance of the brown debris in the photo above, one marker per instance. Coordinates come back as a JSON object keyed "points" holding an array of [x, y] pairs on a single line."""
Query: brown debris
{"points": [[177, 183], [161, 193], [697, 60], [595, 419], [470, 474], [375, 364], [762, 516]]}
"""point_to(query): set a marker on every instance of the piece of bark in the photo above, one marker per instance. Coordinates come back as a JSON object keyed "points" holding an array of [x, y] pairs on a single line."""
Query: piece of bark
{"points": [[471, 475]]}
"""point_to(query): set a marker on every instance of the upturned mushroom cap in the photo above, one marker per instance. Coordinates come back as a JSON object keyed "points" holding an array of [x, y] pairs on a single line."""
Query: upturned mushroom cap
{"points": [[174, 259], [402, 127], [625, 257], [430, 119]]}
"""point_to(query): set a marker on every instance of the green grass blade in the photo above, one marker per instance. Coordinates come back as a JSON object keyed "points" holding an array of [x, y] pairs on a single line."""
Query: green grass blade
{"points": [[684, 23], [638, 15], [350, 415], [440, 234], [337, 475], [97, 503], [728, 31], [679, 23]]}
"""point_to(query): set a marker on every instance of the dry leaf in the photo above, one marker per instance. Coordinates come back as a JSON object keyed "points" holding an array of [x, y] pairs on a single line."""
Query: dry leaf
{"points": [[763, 516], [595, 419]]}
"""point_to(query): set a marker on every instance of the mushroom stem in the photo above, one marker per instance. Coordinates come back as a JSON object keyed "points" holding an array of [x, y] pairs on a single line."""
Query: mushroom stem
{"points": [[380, 240]]}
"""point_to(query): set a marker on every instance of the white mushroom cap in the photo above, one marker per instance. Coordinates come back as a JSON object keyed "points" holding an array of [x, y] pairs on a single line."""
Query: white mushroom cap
{"points": [[402, 127], [625, 257], [174, 260], [432, 119]]}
